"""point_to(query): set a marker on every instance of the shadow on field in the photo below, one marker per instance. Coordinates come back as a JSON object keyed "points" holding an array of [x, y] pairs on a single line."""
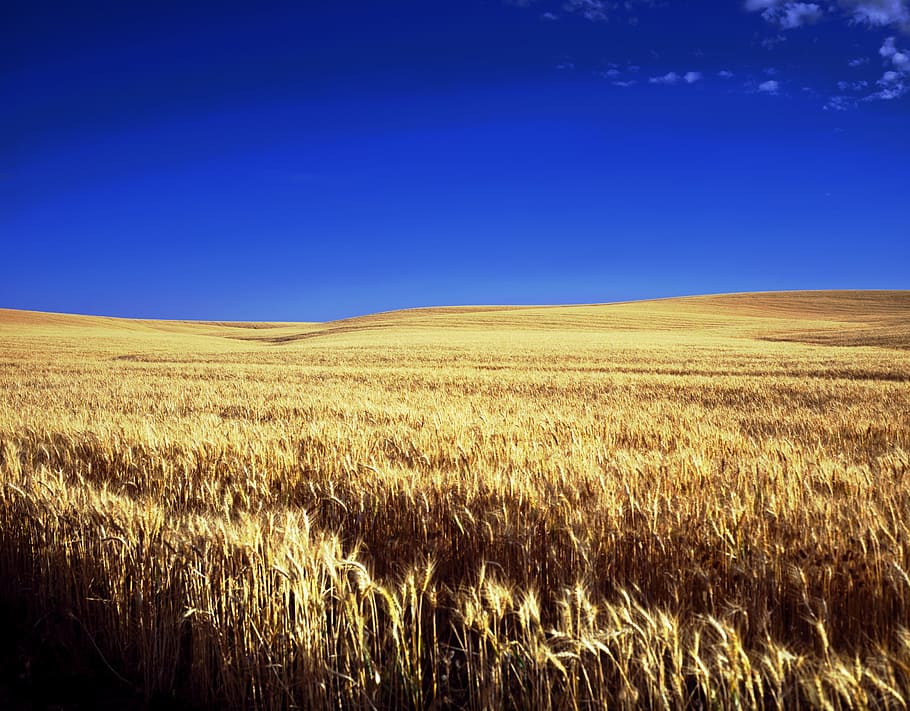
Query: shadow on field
{"points": [[51, 665]]}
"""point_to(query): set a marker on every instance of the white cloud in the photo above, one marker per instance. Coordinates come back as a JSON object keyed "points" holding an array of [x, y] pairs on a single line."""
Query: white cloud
{"points": [[769, 87], [888, 49], [549, 16], [892, 91], [676, 78], [612, 73], [788, 15], [858, 62], [880, 13], [800, 13], [893, 85], [668, 78], [624, 83], [725, 74], [854, 85], [839, 103], [594, 10], [797, 14], [900, 60], [772, 42], [895, 82]]}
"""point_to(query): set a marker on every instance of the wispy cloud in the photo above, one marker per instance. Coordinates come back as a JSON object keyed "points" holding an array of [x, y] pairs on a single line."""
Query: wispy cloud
{"points": [[899, 60], [772, 42], [876, 13], [594, 10], [787, 15], [668, 78], [879, 13], [858, 85], [895, 82], [676, 78], [839, 103], [784, 17], [892, 85], [797, 14]]}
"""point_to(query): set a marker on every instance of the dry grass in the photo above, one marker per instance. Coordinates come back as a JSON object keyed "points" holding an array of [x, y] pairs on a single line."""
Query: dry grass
{"points": [[700, 502]]}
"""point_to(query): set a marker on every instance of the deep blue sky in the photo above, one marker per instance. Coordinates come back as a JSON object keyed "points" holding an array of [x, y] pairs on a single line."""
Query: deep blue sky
{"points": [[314, 160]]}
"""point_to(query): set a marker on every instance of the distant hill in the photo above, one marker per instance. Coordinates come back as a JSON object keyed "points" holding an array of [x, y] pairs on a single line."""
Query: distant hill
{"points": [[846, 318]]}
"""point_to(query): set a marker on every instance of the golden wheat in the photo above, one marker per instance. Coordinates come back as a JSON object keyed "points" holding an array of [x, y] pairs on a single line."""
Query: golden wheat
{"points": [[694, 503]]}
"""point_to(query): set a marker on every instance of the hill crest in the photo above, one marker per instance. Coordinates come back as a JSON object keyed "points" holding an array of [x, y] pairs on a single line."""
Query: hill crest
{"points": [[880, 318]]}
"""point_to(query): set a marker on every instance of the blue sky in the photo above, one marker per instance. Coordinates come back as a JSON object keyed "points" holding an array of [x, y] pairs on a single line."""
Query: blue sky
{"points": [[310, 161]]}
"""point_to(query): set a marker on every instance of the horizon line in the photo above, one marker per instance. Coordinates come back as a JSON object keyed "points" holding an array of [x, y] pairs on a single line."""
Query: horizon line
{"points": [[461, 306]]}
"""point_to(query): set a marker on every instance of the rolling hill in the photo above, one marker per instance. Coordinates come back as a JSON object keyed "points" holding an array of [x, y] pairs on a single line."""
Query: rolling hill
{"points": [[684, 503], [844, 318]]}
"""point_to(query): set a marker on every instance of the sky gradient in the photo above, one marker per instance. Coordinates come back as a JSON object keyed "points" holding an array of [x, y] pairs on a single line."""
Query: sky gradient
{"points": [[310, 161]]}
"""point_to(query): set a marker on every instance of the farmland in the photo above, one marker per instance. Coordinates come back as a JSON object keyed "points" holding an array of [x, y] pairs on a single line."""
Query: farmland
{"points": [[694, 502]]}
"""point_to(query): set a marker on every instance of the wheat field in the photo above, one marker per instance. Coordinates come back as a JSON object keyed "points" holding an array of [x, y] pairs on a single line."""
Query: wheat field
{"points": [[700, 502]]}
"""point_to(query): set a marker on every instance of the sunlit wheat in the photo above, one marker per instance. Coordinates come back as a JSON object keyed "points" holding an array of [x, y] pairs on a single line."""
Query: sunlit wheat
{"points": [[696, 503]]}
